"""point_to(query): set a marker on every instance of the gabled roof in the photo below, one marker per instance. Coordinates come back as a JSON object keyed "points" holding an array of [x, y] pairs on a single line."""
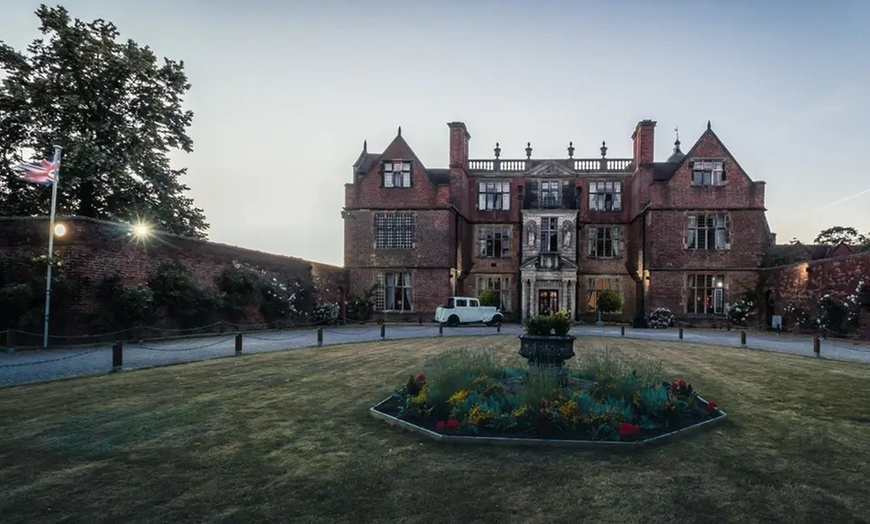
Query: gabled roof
{"points": [[664, 171], [367, 161], [550, 168]]}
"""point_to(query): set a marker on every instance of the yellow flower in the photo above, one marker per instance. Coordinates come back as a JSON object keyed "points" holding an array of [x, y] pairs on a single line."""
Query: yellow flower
{"points": [[570, 411], [522, 410], [478, 416], [420, 398], [459, 397]]}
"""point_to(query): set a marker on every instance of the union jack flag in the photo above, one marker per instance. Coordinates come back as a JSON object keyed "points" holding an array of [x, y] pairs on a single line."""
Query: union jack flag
{"points": [[43, 172]]}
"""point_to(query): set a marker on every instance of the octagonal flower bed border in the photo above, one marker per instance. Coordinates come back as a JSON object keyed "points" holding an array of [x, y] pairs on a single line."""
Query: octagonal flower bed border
{"points": [[607, 401], [544, 442]]}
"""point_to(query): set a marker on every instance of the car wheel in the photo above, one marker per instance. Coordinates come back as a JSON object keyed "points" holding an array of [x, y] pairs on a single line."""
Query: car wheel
{"points": [[496, 320], [453, 321]]}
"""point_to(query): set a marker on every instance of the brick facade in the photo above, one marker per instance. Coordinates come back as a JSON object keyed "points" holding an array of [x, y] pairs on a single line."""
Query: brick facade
{"points": [[93, 250], [803, 283], [574, 226]]}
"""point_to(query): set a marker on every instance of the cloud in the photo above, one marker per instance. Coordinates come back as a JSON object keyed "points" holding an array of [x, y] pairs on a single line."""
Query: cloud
{"points": [[844, 199]]}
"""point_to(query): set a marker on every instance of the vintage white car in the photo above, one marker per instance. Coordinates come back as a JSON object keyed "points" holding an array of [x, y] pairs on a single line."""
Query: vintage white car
{"points": [[467, 310]]}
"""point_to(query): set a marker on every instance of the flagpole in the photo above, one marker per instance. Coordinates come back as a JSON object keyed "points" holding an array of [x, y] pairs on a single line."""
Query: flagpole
{"points": [[51, 242]]}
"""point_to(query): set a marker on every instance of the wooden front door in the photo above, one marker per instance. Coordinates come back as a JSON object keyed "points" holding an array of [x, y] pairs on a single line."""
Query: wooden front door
{"points": [[548, 301]]}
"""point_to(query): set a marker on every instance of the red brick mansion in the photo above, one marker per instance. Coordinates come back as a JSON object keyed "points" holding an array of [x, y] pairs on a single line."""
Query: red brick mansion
{"points": [[546, 234]]}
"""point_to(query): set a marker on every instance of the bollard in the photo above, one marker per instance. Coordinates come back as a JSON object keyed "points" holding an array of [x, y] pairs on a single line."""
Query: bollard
{"points": [[238, 343], [742, 338], [117, 355], [728, 327], [440, 330], [383, 331], [622, 331], [320, 336], [498, 328], [681, 332], [420, 320], [817, 346], [10, 342]]}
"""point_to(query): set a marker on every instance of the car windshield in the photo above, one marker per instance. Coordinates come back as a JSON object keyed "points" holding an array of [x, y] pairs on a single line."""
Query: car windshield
{"points": [[449, 302]]}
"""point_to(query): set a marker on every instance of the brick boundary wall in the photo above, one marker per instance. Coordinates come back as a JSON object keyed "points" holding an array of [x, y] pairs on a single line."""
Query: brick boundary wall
{"points": [[93, 250], [803, 283]]}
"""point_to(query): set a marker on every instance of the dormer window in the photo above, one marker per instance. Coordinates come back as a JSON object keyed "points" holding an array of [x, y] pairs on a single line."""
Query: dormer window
{"points": [[397, 173], [708, 173]]}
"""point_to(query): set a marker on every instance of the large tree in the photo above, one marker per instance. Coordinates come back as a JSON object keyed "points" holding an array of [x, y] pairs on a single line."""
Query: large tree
{"points": [[847, 235], [116, 111]]}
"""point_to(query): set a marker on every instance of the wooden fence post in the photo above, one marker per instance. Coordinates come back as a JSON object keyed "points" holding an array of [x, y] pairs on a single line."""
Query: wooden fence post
{"points": [[383, 331], [817, 346], [681, 332], [440, 330], [622, 331], [238, 343], [743, 338], [117, 355], [320, 336]]}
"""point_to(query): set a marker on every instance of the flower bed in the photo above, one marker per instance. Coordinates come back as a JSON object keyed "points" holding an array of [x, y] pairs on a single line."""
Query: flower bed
{"points": [[606, 399]]}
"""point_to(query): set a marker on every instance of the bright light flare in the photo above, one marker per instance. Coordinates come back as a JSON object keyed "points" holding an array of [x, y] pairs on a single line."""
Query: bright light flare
{"points": [[141, 230], [59, 230]]}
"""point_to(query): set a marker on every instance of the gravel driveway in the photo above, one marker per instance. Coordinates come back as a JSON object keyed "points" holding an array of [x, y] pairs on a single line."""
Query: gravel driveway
{"points": [[39, 366]]}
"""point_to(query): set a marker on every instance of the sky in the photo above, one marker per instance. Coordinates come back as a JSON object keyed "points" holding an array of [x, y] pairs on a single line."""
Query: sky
{"points": [[284, 93]]}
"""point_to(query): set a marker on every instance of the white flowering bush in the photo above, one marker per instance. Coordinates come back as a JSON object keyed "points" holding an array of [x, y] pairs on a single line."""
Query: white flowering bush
{"points": [[740, 312], [660, 318], [797, 316], [326, 313], [853, 303], [831, 313], [279, 299]]}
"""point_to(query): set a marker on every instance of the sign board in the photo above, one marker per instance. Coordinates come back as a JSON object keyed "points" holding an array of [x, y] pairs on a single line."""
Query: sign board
{"points": [[776, 322]]}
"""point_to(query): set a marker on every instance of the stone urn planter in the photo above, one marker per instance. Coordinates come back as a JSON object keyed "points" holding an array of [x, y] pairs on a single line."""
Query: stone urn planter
{"points": [[547, 350], [546, 342]]}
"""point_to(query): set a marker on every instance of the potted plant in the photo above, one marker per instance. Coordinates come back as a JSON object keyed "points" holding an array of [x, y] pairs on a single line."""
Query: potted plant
{"points": [[608, 301], [546, 341]]}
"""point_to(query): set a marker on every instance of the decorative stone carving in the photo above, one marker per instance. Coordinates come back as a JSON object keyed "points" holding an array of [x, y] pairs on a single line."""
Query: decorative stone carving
{"points": [[551, 169], [567, 233], [531, 233]]}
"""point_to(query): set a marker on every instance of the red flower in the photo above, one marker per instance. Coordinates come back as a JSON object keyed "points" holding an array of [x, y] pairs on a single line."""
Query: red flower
{"points": [[628, 430], [711, 405], [421, 378], [453, 424], [440, 425]]}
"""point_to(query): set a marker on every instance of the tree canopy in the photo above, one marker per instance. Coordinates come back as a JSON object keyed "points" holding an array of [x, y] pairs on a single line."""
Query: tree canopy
{"points": [[116, 112], [847, 235]]}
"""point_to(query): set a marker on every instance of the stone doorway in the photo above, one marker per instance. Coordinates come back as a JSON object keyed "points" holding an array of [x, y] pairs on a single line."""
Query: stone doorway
{"points": [[548, 301]]}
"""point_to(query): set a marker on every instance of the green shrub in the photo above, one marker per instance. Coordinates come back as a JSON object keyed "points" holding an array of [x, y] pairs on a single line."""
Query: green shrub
{"points": [[489, 298], [22, 293], [238, 286], [360, 308], [176, 291], [608, 301], [539, 325], [125, 307]]}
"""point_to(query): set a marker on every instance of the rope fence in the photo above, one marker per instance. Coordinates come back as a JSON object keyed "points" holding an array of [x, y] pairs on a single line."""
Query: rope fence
{"points": [[377, 331]]}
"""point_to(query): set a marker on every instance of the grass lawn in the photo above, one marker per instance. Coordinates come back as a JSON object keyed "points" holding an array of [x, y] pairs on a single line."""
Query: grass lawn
{"points": [[286, 437]]}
